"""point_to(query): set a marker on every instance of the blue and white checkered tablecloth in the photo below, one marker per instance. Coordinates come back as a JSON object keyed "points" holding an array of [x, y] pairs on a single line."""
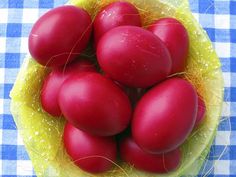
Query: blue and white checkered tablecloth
{"points": [[218, 17]]}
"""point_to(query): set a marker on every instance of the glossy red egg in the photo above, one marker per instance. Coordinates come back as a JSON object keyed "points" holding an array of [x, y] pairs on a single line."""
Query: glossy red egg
{"points": [[133, 56], [131, 153], [94, 104], [60, 35], [93, 154], [175, 36], [115, 14], [165, 116]]}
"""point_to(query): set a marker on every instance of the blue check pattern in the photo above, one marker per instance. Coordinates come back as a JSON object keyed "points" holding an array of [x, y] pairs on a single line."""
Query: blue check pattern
{"points": [[218, 17]]}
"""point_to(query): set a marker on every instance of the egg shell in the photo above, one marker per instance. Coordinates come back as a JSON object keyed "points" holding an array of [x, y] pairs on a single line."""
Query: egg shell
{"points": [[165, 116]]}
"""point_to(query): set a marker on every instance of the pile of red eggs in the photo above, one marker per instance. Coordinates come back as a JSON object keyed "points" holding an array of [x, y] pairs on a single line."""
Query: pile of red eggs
{"points": [[133, 110]]}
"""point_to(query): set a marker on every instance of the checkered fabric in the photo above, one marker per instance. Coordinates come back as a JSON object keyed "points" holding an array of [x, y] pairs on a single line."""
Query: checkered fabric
{"points": [[218, 17]]}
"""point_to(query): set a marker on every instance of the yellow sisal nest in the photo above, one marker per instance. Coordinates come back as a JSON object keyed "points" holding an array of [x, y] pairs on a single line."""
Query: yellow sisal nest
{"points": [[42, 134]]}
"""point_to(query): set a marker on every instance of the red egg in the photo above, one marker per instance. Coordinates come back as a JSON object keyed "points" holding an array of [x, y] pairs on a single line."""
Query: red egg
{"points": [[200, 112], [131, 153], [133, 56], [165, 116], [113, 15], [53, 82], [94, 104], [93, 154], [175, 37], [60, 35]]}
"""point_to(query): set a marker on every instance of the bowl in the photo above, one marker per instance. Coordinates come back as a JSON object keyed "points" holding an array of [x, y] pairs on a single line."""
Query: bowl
{"points": [[42, 133]]}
